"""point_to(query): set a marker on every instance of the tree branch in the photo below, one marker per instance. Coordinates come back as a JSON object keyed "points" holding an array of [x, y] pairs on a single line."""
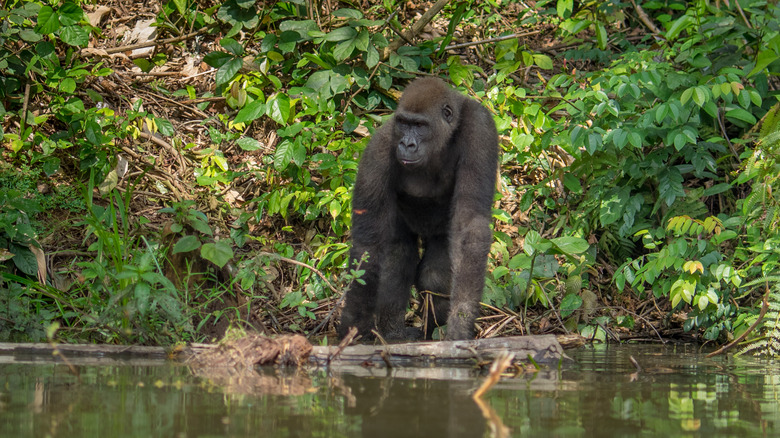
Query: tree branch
{"points": [[415, 29]]}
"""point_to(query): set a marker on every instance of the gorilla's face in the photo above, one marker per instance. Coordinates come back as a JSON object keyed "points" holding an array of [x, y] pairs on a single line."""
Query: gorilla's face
{"points": [[422, 137]]}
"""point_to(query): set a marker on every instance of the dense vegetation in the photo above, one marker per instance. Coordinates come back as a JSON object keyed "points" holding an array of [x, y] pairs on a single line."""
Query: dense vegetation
{"points": [[158, 192]]}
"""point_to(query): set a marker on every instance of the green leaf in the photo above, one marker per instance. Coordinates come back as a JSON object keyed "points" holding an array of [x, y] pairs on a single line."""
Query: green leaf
{"points": [[141, 293], [686, 95], [765, 57], [572, 183], [249, 144], [68, 85], [593, 142], [232, 46], [228, 70], [679, 25], [670, 185], [279, 108], [371, 56], [661, 111], [92, 132], [218, 253], [679, 141], [619, 138], [221, 162], [217, 59], [564, 8], [51, 165], [700, 95], [362, 40], [186, 244], [251, 112], [341, 34], [334, 208], [344, 50], [569, 304], [570, 245], [70, 14], [740, 114], [75, 36], [716, 189], [532, 239], [200, 224], [635, 139], [283, 155], [48, 21], [24, 259], [543, 61], [601, 36], [348, 13]]}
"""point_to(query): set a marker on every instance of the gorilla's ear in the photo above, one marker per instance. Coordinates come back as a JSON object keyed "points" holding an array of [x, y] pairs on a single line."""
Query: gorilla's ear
{"points": [[447, 113]]}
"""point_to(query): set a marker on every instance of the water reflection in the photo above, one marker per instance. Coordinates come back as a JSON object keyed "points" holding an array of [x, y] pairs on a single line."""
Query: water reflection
{"points": [[678, 392], [403, 407]]}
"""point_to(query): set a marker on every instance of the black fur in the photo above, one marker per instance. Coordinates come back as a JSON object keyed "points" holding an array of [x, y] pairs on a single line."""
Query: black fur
{"points": [[428, 176]]}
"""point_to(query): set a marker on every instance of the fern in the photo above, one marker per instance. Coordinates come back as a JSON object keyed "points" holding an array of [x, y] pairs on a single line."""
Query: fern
{"points": [[767, 345]]}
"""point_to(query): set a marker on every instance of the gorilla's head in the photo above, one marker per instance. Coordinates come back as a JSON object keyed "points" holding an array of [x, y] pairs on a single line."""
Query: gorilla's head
{"points": [[427, 116]]}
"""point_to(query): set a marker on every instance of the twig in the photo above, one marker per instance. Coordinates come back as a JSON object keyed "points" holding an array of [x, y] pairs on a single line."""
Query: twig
{"points": [[296, 262], [343, 344], [165, 145], [56, 352], [502, 361], [660, 338], [742, 13], [740, 338], [384, 354], [492, 40], [635, 363], [158, 42], [726, 135], [323, 277], [327, 318], [362, 87], [25, 105]]}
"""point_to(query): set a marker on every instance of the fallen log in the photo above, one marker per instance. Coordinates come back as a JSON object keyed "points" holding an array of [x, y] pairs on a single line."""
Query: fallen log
{"points": [[89, 350], [540, 349]]}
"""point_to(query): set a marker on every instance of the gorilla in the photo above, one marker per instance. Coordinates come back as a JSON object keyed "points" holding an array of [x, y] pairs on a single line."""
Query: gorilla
{"points": [[422, 211]]}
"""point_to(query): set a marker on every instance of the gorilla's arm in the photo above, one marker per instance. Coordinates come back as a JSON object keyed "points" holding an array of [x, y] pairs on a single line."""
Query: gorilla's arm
{"points": [[470, 234]]}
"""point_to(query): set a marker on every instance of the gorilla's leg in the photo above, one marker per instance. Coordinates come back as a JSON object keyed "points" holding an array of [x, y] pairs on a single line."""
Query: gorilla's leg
{"points": [[395, 284], [434, 274], [470, 248]]}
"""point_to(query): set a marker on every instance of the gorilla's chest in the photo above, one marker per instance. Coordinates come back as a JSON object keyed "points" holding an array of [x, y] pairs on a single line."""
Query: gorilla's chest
{"points": [[425, 216], [424, 201]]}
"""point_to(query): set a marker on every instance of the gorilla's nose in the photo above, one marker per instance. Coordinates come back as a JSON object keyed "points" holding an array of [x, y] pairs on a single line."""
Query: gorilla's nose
{"points": [[408, 145]]}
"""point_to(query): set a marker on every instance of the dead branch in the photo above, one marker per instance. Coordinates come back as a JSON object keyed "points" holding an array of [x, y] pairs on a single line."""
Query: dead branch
{"points": [[645, 19], [416, 28]]}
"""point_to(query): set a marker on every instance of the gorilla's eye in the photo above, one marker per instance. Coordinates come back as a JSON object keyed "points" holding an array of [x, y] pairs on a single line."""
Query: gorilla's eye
{"points": [[447, 112]]}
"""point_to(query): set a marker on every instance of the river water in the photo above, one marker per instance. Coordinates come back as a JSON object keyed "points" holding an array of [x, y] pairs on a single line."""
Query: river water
{"points": [[678, 393]]}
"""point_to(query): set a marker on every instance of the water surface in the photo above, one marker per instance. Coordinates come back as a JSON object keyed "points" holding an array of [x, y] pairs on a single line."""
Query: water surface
{"points": [[678, 393]]}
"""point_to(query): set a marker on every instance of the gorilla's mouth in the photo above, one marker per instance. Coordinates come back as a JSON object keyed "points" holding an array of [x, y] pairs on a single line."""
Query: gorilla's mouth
{"points": [[410, 162]]}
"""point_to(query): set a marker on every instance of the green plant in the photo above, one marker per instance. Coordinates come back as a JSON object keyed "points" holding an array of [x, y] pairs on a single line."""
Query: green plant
{"points": [[191, 229], [689, 267]]}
